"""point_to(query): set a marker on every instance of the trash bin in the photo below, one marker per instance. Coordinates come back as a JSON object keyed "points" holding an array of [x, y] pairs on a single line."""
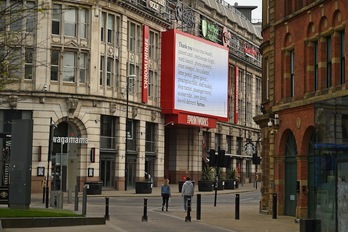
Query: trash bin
{"points": [[56, 199], [143, 187], [310, 225], [94, 187]]}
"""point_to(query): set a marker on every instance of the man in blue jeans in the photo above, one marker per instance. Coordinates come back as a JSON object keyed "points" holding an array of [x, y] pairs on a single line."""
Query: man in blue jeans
{"points": [[187, 191]]}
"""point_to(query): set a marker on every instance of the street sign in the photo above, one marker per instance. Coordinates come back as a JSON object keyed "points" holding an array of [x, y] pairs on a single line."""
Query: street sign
{"points": [[249, 148]]}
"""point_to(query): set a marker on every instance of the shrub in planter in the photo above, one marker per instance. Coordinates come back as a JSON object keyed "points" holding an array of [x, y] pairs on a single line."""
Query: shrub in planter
{"points": [[206, 183], [230, 179]]}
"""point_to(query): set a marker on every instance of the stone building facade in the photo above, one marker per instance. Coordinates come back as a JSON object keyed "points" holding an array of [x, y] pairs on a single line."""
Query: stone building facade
{"points": [[92, 69]]}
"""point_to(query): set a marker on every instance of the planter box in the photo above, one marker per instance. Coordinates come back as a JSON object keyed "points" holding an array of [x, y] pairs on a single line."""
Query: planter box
{"points": [[229, 184], [221, 185], [143, 187], [94, 187], [205, 185]]}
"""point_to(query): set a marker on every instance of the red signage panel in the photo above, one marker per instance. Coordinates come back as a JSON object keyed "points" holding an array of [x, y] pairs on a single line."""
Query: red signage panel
{"points": [[145, 68]]}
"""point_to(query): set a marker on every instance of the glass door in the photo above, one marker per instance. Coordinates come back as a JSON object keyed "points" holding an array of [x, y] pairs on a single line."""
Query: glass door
{"points": [[107, 169]]}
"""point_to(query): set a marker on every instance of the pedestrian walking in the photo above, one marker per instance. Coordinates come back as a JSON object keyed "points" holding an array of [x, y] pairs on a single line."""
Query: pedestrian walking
{"points": [[165, 193], [187, 191]]}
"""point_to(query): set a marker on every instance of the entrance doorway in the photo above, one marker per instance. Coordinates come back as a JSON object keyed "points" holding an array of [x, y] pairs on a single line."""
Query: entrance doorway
{"points": [[131, 168], [290, 176], [107, 170]]}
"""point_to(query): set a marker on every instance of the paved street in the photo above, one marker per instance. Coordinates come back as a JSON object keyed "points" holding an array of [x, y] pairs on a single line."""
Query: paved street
{"points": [[127, 211]]}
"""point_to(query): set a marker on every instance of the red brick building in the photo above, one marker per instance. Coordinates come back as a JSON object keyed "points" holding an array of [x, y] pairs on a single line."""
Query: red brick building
{"points": [[305, 110]]}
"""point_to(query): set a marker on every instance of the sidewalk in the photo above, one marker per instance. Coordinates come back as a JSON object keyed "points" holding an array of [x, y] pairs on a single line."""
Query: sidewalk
{"points": [[250, 220]]}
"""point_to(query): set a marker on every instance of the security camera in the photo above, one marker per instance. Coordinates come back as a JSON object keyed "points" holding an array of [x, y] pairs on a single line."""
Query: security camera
{"points": [[45, 88], [269, 124], [272, 132]]}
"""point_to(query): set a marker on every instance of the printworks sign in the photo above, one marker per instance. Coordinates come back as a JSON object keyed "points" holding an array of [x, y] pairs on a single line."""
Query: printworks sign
{"points": [[156, 5]]}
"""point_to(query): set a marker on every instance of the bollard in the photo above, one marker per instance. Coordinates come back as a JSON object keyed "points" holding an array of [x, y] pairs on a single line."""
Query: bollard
{"points": [[84, 200], [76, 207], [43, 194], [69, 195], [144, 218], [274, 208], [47, 196], [188, 216], [237, 207], [198, 213], [107, 217]]}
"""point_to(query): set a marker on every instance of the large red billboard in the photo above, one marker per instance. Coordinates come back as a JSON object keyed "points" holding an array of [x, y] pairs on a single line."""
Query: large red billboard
{"points": [[194, 79]]}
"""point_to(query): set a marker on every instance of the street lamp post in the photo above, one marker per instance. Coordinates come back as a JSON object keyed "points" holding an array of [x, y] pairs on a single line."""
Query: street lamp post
{"points": [[126, 137]]}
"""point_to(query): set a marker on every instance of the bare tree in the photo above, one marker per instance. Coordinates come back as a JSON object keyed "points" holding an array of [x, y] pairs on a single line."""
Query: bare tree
{"points": [[18, 23]]}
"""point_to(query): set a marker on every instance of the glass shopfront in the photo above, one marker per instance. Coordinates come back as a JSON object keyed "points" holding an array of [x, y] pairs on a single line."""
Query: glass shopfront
{"points": [[330, 165]]}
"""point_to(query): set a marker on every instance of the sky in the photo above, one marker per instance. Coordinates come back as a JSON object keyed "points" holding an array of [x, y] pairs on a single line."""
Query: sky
{"points": [[257, 13]]}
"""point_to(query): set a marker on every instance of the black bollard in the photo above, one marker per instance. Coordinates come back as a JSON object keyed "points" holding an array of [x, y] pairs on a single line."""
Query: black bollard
{"points": [[237, 207], [43, 194], [274, 208], [107, 217], [144, 218], [188, 216], [47, 196], [76, 205], [198, 207], [84, 200]]}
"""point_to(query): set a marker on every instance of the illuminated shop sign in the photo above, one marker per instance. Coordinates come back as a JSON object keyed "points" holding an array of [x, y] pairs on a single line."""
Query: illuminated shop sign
{"points": [[194, 77], [210, 31], [249, 50], [156, 4], [64, 140]]}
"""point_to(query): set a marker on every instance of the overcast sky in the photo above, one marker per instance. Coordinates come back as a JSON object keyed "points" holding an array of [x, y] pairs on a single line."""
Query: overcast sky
{"points": [[257, 13]]}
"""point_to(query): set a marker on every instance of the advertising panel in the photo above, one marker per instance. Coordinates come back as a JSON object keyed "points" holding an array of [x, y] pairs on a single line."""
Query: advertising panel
{"points": [[194, 76]]}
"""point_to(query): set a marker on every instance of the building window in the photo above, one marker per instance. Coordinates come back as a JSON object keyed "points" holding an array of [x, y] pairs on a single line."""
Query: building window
{"points": [[217, 141], [152, 84], [229, 144], [102, 67], [328, 63], [70, 67], [73, 21], [109, 28], [342, 58], [133, 37], [133, 69], [18, 15], [239, 146], [14, 59], [292, 73], [150, 137], [83, 68], [30, 18], [109, 71], [316, 66], [266, 78], [54, 65], [107, 132], [154, 45], [248, 98], [258, 96], [28, 63], [56, 13]]}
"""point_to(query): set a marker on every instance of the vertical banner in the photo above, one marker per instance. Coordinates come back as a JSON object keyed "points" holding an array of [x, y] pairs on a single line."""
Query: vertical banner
{"points": [[145, 66], [236, 94]]}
